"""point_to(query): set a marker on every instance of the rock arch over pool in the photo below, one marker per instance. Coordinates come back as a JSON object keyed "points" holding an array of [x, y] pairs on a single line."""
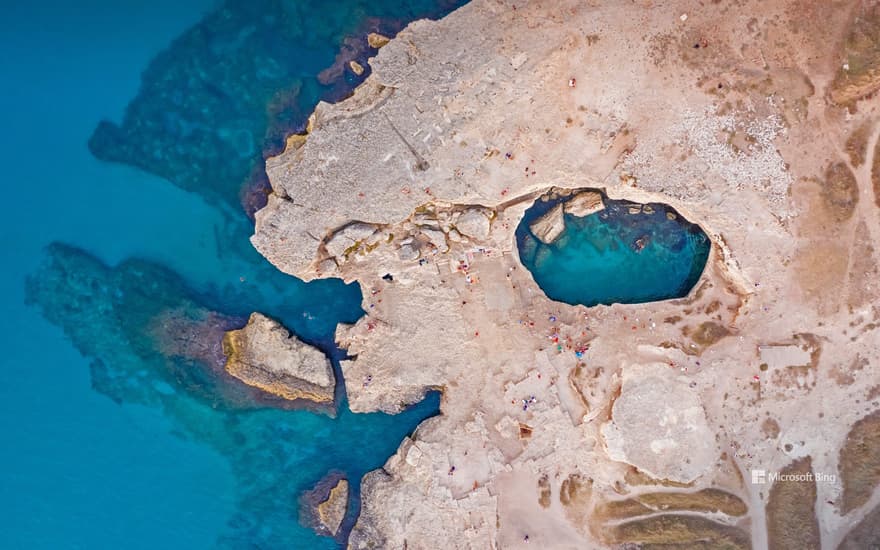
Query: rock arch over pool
{"points": [[584, 248]]}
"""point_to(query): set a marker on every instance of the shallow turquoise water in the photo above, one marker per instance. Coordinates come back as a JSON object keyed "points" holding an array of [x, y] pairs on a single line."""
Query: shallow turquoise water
{"points": [[109, 444], [614, 256]]}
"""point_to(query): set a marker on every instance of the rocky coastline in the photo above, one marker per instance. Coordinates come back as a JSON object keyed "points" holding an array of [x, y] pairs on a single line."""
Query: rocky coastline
{"points": [[562, 424]]}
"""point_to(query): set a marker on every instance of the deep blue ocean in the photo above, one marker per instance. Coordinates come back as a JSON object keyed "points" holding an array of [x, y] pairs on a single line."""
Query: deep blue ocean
{"points": [[116, 435]]}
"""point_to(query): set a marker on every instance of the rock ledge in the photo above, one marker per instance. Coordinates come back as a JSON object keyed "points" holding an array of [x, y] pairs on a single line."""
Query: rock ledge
{"points": [[265, 355]]}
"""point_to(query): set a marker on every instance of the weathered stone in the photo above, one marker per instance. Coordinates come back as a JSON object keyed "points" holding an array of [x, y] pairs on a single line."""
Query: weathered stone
{"points": [[477, 325], [659, 426], [407, 252], [584, 204], [348, 237], [426, 220], [356, 67], [332, 511], [323, 507], [437, 238], [550, 226], [376, 40], [519, 60], [473, 223], [327, 266], [265, 355]]}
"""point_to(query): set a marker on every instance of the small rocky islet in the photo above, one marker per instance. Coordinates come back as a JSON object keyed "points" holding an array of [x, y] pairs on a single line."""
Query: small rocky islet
{"points": [[154, 341]]}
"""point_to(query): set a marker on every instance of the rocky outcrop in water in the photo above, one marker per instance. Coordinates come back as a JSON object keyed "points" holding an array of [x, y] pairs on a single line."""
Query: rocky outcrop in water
{"points": [[376, 40], [332, 510], [550, 226], [265, 355], [324, 506], [135, 314], [584, 204], [152, 341], [228, 90]]}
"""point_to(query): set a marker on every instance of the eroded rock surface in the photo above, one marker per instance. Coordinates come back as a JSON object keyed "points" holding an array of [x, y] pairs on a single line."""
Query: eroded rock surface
{"points": [[550, 226], [332, 510], [324, 506], [725, 112], [584, 204], [656, 422], [265, 355]]}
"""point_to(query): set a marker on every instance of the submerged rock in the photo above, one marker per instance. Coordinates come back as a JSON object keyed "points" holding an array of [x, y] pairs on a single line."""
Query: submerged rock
{"points": [[584, 204], [227, 91], [550, 226], [265, 355], [149, 335]]}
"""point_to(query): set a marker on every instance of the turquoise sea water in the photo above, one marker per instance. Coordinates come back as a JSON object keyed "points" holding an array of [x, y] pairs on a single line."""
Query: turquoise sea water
{"points": [[615, 256], [115, 436]]}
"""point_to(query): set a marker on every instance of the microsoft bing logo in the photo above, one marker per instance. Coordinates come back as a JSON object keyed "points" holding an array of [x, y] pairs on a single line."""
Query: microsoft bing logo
{"points": [[759, 477]]}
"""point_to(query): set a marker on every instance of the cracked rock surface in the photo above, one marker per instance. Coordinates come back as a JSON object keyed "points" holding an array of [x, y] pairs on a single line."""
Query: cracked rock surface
{"points": [[726, 112]]}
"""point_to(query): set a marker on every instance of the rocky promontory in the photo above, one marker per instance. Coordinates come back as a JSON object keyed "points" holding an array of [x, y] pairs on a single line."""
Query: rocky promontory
{"points": [[565, 426], [265, 355]]}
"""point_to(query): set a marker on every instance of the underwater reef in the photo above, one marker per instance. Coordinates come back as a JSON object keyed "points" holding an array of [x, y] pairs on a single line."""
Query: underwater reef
{"points": [[211, 107], [230, 89], [154, 342]]}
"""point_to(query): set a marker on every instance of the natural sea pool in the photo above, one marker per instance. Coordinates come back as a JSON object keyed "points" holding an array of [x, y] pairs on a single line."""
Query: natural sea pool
{"points": [[109, 443], [626, 253]]}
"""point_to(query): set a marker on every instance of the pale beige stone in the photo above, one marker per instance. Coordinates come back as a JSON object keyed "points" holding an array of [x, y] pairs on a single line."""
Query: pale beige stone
{"points": [[658, 425], [584, 204], [550, 226], [265, 355], [376, 40]]}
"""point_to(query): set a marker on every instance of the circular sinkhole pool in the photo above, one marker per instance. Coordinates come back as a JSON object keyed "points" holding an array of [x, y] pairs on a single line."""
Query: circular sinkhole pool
{"points": [[585, 248]]}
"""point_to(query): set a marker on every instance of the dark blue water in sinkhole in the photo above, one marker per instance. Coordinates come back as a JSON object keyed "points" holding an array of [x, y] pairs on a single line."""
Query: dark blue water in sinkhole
{"points": [[627, 253], [118, 433]]}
